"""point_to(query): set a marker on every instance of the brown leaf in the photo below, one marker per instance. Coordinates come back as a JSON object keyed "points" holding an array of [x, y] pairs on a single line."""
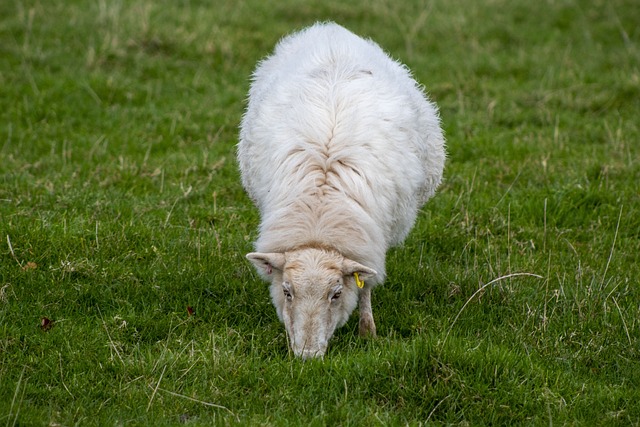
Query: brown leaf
{"points": [[46, 324], [190, 310], [29, 266]]}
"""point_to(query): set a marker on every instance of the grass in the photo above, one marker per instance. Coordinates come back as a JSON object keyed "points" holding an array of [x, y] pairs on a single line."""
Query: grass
{"points": [[121, 209]]}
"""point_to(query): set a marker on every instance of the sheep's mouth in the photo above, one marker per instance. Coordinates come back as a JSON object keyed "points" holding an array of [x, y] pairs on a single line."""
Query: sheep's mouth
{"points": [[306, 353]]}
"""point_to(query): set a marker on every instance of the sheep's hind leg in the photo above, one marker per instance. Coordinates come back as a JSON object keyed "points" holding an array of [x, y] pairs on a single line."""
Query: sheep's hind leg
{"points": [[367, 327]]}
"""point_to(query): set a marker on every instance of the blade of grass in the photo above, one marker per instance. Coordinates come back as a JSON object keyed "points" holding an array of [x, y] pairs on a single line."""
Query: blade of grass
{"points": [[480, 289]]}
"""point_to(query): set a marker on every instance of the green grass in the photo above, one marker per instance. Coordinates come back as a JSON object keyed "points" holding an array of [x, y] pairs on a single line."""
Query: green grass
{"points": [[121, 206]]}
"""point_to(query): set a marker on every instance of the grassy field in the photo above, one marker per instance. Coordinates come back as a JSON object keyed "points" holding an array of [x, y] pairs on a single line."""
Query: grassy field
{"points": [[125, 298]]}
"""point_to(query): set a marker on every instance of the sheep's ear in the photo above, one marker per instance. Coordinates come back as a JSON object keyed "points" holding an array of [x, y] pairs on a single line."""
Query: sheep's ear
{"points": [[364, 273], [266, 263]]}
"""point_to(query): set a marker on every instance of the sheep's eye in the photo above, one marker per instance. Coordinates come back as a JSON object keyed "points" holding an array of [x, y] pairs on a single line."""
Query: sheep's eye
{"points": [[287, 294], [336, 295]]}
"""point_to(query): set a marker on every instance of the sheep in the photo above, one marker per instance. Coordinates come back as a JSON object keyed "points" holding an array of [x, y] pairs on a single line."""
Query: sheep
{"points": [[339, 148]]}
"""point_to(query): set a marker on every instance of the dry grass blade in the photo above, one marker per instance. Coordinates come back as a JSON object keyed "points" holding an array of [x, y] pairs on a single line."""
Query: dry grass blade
{"points": [[113, 346], [13, 401], [202, 402], [155, 390], [13, 254], [613, 245], [624, 323], [436, 407], [508, 276]]}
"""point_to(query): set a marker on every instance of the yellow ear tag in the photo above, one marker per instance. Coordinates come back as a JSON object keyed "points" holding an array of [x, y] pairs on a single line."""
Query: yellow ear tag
{"points": [[359, 282]]}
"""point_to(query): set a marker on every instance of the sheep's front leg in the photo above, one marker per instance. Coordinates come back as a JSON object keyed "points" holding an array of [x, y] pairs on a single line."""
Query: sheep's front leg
{"points": [[367, 326]]}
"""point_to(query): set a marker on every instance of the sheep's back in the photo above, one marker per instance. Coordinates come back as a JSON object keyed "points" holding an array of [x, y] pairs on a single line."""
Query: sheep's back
{"points": [[331, 116]]}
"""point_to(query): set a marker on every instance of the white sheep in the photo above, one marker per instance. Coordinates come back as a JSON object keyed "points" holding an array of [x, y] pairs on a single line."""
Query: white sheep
{"points": [[339, 148]]}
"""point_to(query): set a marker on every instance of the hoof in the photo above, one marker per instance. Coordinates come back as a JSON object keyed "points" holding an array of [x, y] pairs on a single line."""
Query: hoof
{"points": [[367, 328]]}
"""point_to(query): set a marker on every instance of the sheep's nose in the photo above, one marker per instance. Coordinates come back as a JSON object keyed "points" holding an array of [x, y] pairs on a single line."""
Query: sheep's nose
{"points": [[310, 354]]}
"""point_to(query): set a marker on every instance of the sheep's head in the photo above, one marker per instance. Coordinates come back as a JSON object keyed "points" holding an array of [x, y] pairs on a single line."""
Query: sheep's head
{"points": [[314, 292]]}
